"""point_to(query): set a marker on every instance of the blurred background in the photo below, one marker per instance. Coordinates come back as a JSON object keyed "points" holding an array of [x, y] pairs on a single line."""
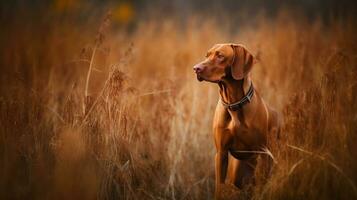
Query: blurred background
{"points": [[98, 99], [131, 11]]}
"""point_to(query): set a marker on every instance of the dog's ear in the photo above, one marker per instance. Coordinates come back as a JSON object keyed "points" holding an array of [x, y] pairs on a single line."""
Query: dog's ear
{"points": [[242, 63]]}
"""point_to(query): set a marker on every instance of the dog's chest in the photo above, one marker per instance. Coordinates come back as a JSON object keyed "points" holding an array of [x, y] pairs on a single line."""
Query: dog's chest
{"points": [[244, 140], [244, 136]]}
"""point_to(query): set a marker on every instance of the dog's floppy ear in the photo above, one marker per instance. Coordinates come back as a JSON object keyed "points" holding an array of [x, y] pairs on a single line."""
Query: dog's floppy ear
{"points": [[242, 63]]}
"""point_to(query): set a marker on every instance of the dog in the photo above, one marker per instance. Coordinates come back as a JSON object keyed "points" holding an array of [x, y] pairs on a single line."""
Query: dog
{"points": [[243, 122]]}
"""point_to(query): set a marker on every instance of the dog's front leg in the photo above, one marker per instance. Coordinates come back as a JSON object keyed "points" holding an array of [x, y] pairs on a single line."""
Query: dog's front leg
{"points": [[221, 170], [222, 139]]}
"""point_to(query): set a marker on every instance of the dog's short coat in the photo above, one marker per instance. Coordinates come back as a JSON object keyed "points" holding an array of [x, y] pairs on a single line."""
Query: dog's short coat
{"points": [[238, 133]]}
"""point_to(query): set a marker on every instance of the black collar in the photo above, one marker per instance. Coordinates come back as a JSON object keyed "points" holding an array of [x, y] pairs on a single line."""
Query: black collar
{"points": [[239, 104]]}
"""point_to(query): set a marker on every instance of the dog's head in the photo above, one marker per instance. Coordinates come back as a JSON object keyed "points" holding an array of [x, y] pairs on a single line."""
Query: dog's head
{"points": [[225, 61]]}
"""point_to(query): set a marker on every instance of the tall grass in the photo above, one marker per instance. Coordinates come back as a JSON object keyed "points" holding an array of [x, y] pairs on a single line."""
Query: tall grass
{"points": [[146, 133]]}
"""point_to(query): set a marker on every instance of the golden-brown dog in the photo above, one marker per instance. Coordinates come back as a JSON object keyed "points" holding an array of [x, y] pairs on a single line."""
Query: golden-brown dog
{"points": [[242, 121]]}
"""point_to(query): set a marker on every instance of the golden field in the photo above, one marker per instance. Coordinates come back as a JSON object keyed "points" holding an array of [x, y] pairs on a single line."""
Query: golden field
{"points": [[144, 129]]}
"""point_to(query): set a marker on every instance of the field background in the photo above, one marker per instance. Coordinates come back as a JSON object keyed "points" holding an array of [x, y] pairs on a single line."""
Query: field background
{"points": [[142, 127]]}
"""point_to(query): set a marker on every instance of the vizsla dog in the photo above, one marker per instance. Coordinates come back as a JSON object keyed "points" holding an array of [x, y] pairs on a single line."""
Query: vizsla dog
{"points": [[242, 120]]}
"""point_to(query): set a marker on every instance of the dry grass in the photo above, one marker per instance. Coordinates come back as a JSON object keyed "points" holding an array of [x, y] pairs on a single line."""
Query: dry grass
{"points": [[145, 130]]}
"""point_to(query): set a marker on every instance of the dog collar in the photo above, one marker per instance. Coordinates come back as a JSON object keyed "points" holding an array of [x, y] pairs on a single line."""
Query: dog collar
{"points": [[239, 104]]}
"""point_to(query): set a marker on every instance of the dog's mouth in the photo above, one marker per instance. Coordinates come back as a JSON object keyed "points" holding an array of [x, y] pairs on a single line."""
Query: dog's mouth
{"points": [[199, 78]]}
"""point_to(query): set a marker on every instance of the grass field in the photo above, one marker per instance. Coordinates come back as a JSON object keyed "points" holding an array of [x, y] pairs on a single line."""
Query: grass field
{"points": [[142, 128]]}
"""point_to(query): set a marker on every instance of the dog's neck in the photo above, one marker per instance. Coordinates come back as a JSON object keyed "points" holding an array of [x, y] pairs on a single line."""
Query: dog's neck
{"points": [[232, 90]]}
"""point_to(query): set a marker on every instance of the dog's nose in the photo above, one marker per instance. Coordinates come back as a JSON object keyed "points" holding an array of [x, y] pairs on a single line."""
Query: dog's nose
{"points": [[198, 68]]}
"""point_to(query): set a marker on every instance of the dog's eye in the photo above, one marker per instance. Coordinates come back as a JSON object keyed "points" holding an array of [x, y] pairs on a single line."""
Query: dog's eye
{"points": [[220, 56]]}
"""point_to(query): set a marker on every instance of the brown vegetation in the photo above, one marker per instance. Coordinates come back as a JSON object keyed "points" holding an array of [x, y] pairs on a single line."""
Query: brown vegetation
{"points": [[141, 134]]}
